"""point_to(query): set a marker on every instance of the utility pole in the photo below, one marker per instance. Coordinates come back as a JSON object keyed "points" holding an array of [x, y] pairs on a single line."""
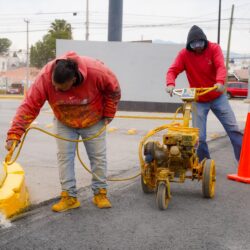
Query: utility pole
{"points": [[87, 21], [229, 39], [219, 19], [26, 85]]}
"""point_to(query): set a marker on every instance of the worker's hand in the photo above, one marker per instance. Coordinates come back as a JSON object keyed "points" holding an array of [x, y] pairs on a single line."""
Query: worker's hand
{"points": [[10, 143], [170, 90], [220, 87], [107, 120]]}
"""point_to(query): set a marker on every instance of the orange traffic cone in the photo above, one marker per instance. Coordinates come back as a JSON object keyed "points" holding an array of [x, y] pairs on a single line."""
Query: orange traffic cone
{"points": [[244, 164]]}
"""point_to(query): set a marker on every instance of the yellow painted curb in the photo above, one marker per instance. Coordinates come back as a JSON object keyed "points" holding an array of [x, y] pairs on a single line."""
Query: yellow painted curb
{"points": [[214, 135], [14, 196], [50, 125], [19, 97], [132, 131], [149, 117], [111, 129]]}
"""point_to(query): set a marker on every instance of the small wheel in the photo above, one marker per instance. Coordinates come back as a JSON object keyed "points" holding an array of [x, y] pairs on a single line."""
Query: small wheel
{"points": [[162, 198], [208, 179], [145, 188], [229, 96]]}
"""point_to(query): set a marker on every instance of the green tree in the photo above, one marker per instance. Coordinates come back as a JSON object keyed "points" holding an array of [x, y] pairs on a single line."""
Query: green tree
{"points": [[38, 55], [5, 44], [45, 50]]}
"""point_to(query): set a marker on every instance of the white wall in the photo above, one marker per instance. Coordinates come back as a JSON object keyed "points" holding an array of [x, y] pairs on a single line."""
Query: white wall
{"points": [[140, 67]]}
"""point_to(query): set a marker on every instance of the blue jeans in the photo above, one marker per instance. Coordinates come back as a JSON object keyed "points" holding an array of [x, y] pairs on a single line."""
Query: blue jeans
{"points": [[223, 111], [95, 148]]}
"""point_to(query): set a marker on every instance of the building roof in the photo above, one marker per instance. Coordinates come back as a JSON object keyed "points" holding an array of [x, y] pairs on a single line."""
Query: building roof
{"points": [[19, 74], [242, 74]]}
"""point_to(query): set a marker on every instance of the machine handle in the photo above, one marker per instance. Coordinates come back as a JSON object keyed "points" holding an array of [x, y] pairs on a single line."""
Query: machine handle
{"points": [[192, 93], [203, 91]]}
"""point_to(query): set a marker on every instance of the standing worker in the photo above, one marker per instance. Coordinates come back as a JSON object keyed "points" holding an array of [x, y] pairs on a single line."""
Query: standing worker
{"points": [[83, 94], [203, 63]]}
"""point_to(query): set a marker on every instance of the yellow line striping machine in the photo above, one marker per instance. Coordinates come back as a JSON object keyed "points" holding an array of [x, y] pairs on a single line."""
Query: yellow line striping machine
{"points": [[175, 160], [14, 196]]}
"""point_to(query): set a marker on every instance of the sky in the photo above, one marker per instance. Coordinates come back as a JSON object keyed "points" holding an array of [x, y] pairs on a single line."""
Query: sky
{"points": [[167, 20]]}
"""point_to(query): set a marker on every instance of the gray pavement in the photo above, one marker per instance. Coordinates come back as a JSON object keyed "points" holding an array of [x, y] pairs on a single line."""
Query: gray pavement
{"points": [[38, 157], [135, 222]]}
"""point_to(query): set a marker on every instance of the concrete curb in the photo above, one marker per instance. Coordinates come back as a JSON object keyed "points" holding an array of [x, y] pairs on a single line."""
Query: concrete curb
{"points": [[14, 196], [11, 97]]}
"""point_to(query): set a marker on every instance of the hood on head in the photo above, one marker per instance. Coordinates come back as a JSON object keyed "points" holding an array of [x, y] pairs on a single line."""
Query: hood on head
{"points": [[82, 68], [195, 33]]}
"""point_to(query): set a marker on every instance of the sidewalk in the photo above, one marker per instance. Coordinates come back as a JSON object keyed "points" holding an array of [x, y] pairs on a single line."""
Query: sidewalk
{"points": [[38, 157]]}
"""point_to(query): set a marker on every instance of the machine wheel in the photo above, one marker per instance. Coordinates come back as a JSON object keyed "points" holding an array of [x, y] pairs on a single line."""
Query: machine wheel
{"points": [[162, 198], [145, 188], [208, 179]]}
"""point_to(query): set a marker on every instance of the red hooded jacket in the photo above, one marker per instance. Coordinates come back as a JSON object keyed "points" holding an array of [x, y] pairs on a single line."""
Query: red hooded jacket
{"points": [[81, 106], [202, 70]]}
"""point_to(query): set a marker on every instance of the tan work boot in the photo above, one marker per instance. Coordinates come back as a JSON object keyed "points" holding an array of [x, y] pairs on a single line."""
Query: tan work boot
{"points": [[101, 200], [67, 202]]}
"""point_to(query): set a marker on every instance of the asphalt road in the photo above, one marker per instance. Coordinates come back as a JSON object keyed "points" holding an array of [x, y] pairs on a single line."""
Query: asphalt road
{"points": [[134, 222], [38, 156]]}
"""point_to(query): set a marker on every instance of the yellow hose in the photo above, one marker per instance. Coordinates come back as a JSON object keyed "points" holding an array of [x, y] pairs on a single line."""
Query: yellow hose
{"points": [[142, 142], [9, 162], [173, 126]]}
